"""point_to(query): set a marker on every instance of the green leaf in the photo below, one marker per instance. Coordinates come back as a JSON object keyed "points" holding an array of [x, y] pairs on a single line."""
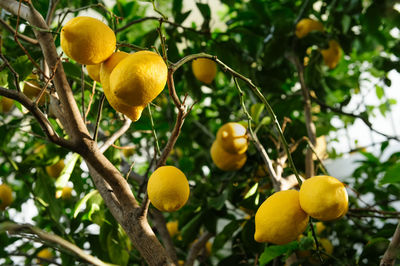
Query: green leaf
{"points": [[218, 202], [81, 203], [204, 10], [62, 180], [379, 91], [251, 191], [256, 110], [271, 252], [346, 21], [190, 230], [392, 175], [225, 235]]}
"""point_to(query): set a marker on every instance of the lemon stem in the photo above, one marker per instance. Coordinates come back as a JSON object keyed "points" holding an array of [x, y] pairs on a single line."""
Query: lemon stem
{"points": [[315, 239], [154, 131], [96, 129]]}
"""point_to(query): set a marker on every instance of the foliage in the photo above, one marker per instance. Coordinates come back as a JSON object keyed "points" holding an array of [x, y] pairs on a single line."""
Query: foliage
{"points": [[257, 40]]}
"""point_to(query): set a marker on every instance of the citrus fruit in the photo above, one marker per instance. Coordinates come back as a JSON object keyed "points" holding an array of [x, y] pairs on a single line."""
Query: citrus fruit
{"points": [[324, 198], [45, 254], [133, 112], [232, 137], [204, 69], [332, 54], [94, 72], [66, 193], [87, 40], [139, 78], [6, 104], [32, 89], [319, 227], [226, 161], [5, 196], [280, 220], [307, 25], [55, 169], [172, 228], [168, 188]]}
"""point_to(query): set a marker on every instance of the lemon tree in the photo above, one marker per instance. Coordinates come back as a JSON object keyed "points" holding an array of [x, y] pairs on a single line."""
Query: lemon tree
{"points": [[172, 132]]}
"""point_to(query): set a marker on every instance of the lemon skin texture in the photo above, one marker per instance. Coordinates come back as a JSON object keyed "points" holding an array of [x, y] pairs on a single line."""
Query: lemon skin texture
{"points": [[226, 161], [324, 198], [5, 196], [332, 55], [55, 169], [87, 40], [94, 72], [168, 189], [232, 137], [204, 69], [307, 25], [280, 220], [139, 78], [132, 112], [6, 104]]}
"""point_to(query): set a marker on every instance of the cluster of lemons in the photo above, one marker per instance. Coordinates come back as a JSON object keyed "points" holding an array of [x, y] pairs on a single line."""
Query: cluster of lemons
{"points": [[130, 81], [228, 151], [285, 214], [332, 54]]}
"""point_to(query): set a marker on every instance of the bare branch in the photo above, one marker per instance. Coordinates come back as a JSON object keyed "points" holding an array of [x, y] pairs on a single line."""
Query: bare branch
{"points": [[91, 99], [19, 35], [22, 229], [196, 248], [391, 253], [51, 10], [16, 75], [40, 117], [117, 134]]}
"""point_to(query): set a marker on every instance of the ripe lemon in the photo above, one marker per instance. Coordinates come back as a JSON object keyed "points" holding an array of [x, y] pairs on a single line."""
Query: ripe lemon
{"points": [[280, 220], [232, 137], [204, 69], [172, 228], [94, 72], [133, 112], [45, 254], [6, 104], [226, 161], [5, 196], [55, 169], [324, 198], [306, 25], [319, 227], [168, 188], [87, 40], [32, 89], [332, 54], [139, 78]]}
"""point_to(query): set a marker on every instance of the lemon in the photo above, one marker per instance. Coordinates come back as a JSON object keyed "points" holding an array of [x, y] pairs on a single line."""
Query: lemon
{"points": [[133, 112], [208, 248], [44, 254], [139, 78], [55, 169], [324, 198], [232, 137], [307, 25], [168, 188], [94, 72], [32, 89], [280, 220], [66, 193], [6, 104], [204, 69], [319, 227], [172, 228], [332, 54], [226, 161], [5, 196], [87, 40]]}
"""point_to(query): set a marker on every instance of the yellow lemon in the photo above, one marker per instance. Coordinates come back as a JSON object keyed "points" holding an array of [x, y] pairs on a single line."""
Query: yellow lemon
{"points": [[324, 198], [6, 104], [66, 193], [232, 137], [87, 40], [55, 169], [332, 54], [280, 220], [181, 262], [44, 254], [133, 112], [226, 161], [168, 188], [5, 196], [139, 78], [208, 248], [319, 227], [306, 25], [32, 89], [94, 72], [128, 152], [172, 228], [204, 69]]}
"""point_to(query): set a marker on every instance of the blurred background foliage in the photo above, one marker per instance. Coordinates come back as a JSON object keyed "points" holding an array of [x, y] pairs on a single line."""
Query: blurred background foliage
{"points": [[256, 39]]}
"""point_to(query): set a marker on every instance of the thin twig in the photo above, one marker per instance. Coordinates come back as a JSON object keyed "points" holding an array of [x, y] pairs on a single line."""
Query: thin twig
{"points": [[91, 99], [83, 93], [16, 75], [96, 129], [19, 35], [153, 130], [117, 134], [196, 248], [50, 11]]}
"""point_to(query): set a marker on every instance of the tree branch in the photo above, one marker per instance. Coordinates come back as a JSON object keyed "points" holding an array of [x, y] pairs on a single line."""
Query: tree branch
{"points": [[21, 36], [50, 238], [196, 248], [389, 258], [117, 134]]}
